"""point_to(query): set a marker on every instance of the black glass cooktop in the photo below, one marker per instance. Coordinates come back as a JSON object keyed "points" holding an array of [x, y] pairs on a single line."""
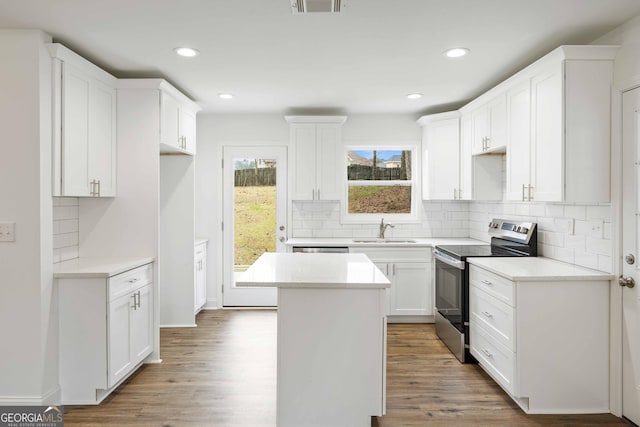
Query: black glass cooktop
{"points": [[464, 251]]}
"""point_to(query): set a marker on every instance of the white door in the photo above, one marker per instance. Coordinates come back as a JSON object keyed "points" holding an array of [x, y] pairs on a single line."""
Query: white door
{"points": [[630, 246], [255, 216]]}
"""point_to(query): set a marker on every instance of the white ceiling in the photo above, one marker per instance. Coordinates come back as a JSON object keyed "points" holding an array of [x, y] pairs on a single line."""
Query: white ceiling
{"points": [[364, 60]]}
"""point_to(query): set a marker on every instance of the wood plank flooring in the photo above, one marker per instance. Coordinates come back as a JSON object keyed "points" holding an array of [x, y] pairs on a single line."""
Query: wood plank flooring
{"points": [[222, 373]]}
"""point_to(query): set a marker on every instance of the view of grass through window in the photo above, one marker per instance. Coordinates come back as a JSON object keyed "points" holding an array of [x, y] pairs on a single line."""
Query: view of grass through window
{"points": [[379, 181], [254, 210]]}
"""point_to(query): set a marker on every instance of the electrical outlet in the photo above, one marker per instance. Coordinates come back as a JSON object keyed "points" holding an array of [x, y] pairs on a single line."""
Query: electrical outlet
{"points": [[597, 228], [7, 231]]}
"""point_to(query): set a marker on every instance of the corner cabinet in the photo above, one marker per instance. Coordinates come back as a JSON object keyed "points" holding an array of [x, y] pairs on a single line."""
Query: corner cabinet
{"points": [[559, 127], [314, 157], [84, 126], [488, 127], [409, 269], [200, 275], [177, 122], [451, 172], [106, 330]]}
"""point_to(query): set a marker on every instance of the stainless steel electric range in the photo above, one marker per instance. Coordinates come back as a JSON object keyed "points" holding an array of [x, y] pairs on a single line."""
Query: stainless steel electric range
{"points": [[508, 239]]}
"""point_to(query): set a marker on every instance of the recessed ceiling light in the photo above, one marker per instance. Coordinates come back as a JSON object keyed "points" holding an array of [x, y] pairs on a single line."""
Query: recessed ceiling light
{"points": [[225, 95], [187, 51], [414, 96], [456, 52]]}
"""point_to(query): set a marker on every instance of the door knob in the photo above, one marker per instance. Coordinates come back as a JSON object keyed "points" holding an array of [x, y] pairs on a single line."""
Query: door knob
{"points": [[630, 259], [282, 228], [626, 281], [282, 239]]}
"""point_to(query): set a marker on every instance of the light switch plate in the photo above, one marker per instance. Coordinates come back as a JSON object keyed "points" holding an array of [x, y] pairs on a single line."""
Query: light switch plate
{"points": [[7, 231]]}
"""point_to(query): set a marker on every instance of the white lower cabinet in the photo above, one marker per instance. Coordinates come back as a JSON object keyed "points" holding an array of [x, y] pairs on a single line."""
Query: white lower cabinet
{"points": [[410, 297], [105, 332], [545, 342]]}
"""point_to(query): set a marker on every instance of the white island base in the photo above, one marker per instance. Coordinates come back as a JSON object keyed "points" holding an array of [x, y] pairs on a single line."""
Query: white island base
{"points": [[331, 337]]}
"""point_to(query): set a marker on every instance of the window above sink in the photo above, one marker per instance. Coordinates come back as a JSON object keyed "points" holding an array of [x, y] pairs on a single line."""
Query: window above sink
{"points": [[380, 180]]}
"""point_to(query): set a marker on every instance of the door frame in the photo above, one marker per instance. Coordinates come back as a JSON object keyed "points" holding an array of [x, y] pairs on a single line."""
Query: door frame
{"points": [[282, 218], [616, 295]]}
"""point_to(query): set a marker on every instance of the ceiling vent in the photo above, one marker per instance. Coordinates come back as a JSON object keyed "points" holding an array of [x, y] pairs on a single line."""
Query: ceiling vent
{"points": [[317, 6]]}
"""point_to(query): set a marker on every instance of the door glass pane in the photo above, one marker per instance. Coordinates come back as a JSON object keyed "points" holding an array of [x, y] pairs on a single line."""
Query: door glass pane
{"points": [[254, 210]]}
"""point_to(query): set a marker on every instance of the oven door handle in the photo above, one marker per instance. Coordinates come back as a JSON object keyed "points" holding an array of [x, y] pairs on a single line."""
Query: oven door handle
{"points": [[448, 260]]}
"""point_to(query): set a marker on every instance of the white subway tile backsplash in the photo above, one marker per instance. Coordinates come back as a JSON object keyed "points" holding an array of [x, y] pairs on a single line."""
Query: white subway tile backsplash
{"points": [[66, 227], [565, 232], [322, 219], [577, 212], [599, 212]]}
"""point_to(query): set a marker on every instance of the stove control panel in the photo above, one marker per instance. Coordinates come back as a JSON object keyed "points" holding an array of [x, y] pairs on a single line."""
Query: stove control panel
{"points": [[513, 229]]}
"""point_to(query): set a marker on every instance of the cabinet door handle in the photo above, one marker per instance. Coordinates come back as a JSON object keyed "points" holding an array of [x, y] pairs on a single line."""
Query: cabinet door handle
{"points": [[487, 314], [487, 353], [134, 301], [530, 189], [134, 280], [488, 143], [387, 271], [523, 187], [394, 269], [313, 194], [454, 194], [138, 298], [486, 282], [318, 194]]}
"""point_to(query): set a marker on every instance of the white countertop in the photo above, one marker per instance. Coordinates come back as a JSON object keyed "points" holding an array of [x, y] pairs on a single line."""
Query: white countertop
{"points": [[352, 241], [302, 270], [97, 267], [522, 269]]}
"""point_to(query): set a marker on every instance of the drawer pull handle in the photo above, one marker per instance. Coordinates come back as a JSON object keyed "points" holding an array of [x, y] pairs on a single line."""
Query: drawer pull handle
{"points": [[487, 314], [486, 282], [134, 280], [487, 353]]}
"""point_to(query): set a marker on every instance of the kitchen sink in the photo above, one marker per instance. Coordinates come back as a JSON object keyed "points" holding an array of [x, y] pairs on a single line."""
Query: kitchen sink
{"points": [[383, 241]]}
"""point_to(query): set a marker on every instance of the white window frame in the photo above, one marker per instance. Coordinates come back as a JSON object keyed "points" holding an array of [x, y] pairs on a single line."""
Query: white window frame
{"points": [[416, 209]]}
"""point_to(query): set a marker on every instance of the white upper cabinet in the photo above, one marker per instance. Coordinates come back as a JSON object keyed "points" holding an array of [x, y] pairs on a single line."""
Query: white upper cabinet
{"points": [[314, 157], [441, 147], [84, 127], [489, 127], [177, 123], [558, 127], [450, 170], [518, 141]]}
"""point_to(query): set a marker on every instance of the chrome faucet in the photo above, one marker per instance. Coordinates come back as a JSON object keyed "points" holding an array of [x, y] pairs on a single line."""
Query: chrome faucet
{"points": [[383, 228]]}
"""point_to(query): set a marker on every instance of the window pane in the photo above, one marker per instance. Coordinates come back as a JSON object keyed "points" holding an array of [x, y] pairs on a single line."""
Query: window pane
{"points": [[254, 210], [379, 199], [391, 165]]}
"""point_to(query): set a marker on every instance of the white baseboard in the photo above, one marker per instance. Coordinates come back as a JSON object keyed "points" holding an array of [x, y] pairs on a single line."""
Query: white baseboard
{"points": [[193, 325], [50, 397]]}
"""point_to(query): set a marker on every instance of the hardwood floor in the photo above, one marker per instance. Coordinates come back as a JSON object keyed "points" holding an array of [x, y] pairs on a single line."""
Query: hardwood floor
{"points": [[223, 374]]}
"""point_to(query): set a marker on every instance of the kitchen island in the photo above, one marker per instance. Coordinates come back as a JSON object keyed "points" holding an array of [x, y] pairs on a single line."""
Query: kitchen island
{"points": [[331, 336]]}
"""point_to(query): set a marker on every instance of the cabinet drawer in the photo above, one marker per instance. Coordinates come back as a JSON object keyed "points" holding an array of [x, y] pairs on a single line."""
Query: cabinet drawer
{"points": [[128, 281], [493, 315], [495, 358], [493, 284]]}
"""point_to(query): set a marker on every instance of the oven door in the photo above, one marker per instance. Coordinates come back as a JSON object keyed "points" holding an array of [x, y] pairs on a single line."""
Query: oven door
{"points": [[449, 289]]}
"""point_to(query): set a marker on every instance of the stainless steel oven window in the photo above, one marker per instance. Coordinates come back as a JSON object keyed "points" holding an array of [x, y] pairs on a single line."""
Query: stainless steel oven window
{"points": [[449, 293]]}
